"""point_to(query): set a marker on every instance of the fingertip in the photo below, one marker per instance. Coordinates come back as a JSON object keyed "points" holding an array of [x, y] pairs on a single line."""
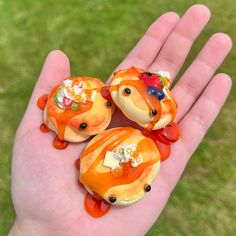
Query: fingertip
{"points": [[164, 22], [162, 26], [170, 16], [225, 80], [193, 21], [59, 56], [200, 11], [56, 67], [223, 40]]}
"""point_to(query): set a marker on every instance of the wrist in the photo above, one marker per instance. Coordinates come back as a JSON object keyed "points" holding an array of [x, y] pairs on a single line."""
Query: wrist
{"points": [[28, 228]]}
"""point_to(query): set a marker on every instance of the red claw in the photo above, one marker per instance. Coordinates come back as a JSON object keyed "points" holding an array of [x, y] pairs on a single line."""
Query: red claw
{"points": [[170, 133], [59, 144], [164, 150], [44, 128], [95, 207], [42, 101], [163, 138]]}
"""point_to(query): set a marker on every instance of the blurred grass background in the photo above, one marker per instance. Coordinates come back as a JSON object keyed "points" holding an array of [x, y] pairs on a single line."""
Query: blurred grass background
{"points": [[96, 35]]}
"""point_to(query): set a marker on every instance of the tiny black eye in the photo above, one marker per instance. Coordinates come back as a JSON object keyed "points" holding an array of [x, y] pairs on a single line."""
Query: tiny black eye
{"points": [[127, 91], [109, 104], [147, 188], [83, 126], [112, 199], [154, 112]]}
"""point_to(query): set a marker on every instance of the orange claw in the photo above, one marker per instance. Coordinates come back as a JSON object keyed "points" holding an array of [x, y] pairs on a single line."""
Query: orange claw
{"points": [[164, 150], [170, 133], [44, 128], [59, 144], [94, 207], [42, 101]]}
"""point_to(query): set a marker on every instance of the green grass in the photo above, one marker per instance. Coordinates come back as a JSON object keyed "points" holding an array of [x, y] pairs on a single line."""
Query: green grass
{"points": [[96, 35]]}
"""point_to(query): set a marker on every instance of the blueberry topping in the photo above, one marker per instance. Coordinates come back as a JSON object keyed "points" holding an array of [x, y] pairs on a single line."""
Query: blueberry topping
{"points": [[152, 91], [160, 94]]}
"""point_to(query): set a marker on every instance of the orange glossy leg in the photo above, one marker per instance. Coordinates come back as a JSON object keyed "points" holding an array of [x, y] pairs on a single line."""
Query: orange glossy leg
{"points": [[44, 128], [170, 133], [42, 101], [59, 144], [164, 150], [96, 208]]}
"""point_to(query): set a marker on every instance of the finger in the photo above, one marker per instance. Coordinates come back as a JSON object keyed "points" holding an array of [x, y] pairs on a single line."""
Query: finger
{"points": [[196, 77], [56, 67], [149, 45], [177, 46], [194, 126]]}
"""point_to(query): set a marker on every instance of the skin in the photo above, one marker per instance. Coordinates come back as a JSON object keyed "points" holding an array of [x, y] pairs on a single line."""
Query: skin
{"points": [[45, 193]]}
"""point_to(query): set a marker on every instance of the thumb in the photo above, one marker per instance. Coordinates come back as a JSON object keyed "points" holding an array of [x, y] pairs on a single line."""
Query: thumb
{"points": [[56, 68]]}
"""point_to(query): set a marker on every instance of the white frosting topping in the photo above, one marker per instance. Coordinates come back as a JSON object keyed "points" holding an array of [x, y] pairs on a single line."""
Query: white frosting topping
{"points": [[124, 154], [165, 74], [70, 91]]}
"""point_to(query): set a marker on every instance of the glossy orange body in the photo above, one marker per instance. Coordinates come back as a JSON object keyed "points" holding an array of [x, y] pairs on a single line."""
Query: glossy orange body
{"points": [[107, 180], [94, 204]]}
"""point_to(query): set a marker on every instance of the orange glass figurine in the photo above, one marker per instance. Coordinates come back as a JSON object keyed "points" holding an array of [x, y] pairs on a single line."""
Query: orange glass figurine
{"points": [[118, 165], [145, 98], [75, 110]]}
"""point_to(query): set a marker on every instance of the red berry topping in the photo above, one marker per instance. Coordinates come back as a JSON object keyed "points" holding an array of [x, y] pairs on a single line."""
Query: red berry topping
{"points": [[154, 81], [67, 102], [144, 76], [151, 80]]}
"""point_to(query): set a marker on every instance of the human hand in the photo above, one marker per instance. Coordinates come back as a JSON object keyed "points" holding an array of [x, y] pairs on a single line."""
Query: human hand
{"points": [[46, 196]]}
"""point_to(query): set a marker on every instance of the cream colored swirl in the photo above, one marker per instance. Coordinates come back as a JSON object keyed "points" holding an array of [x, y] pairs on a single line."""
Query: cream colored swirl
{"points": [[70, 91]]}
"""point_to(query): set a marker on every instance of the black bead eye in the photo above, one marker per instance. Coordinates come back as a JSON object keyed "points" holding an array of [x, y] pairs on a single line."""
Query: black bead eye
{"points": [[147, 188], [154, 112], [127, 91], [112, 199], [109, 104], [83, 126]]}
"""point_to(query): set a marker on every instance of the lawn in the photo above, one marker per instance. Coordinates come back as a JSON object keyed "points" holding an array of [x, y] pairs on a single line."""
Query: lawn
{"points": [[96, 36]]}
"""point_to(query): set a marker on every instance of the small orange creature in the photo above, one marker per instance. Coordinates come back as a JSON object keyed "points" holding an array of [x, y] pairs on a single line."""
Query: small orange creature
{"points": [[118, 165], [75, 110]]}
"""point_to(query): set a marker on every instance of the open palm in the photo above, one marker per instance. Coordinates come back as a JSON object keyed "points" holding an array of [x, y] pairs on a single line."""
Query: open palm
{"points": [[47, 198]]}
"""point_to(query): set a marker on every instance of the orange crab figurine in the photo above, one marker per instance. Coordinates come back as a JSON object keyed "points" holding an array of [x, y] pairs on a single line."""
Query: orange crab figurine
{"points": [[145, 98], [118, 165], [73, 110]]}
